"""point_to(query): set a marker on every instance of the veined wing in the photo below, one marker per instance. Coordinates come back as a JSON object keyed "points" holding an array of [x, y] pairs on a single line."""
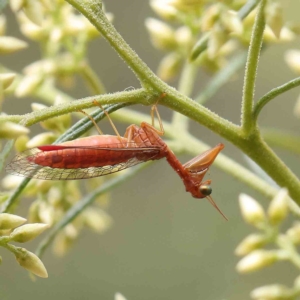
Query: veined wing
{"points": [[34, 162]]}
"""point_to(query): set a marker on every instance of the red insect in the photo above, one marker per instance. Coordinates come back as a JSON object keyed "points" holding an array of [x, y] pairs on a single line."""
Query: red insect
{"points": [[105, 154]]}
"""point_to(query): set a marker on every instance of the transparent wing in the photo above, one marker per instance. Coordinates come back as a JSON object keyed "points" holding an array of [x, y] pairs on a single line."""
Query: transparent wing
{"points": [[24, 165]]}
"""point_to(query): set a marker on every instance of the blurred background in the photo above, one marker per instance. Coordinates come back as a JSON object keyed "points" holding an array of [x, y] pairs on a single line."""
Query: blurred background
{"points": [[163, 244]]}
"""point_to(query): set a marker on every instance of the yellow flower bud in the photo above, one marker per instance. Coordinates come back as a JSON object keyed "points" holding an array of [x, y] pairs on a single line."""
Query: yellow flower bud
{"points": [[33, 31], [162, 35], [250, 243], [256, 260], [169, 66], [20, 143], [10, 44], [292, 58], [119, 296], [232, 22], [10, 130], [98, 220], [31, 262], [297, 283], [16, 5], [9, 221], [294, 233], [210, 17], [45, 138], [216, 41], [34, 11], [252, 211], [28, 85], [7, 79], [2, 24], [27, 232], [164, 10], [278, 208], [274, 17], [272, 292]]}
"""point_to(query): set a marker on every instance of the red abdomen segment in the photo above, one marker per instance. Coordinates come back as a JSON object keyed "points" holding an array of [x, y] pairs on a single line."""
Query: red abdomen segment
{"points": [[75, 158]]}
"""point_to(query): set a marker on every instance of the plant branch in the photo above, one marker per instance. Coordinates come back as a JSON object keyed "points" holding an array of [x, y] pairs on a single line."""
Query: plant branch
{"points": [[251, 69], [273, 94]]}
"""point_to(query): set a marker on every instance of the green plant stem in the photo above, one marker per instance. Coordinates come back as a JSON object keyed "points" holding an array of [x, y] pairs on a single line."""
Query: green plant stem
{"points": [[92, 79], [76, 209], [185, 86], [251, 69], [184, 142], [29, 119], [282, 139], [273, 94]]}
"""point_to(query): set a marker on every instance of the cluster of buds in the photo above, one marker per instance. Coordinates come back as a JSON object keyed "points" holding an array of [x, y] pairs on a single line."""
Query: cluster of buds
{"points": [[256, 256], [207, 32], [13, 230], [63, 35], [54, 199]]}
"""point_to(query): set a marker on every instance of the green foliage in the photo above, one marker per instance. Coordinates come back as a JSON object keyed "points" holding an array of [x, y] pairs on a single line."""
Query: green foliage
{"points": [[194, 35]]}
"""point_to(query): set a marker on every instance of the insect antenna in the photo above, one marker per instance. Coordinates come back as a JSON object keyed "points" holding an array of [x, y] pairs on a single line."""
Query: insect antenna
{"points": [[213, 203]]}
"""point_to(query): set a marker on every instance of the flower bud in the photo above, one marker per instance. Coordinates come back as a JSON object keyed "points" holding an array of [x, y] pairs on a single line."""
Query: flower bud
{"points": [[20, 143], [2, 24], [232, 22], [10, 44], [256, 260], [210, 17], [7, 79], [297, 283], [274, 17], [28, 85], [16, 5], [292, 58], [98, 220], [34, 11], [164, 10], [184, 37], [278, 208], [162, 35], [272, 292], [27, 232], [169, 66], [45, 138], [216, 41], [119, 296], [10, 130], [294, 233], [252, 211], [250, 243], [32, 31], [9, 221], [31, 262]]}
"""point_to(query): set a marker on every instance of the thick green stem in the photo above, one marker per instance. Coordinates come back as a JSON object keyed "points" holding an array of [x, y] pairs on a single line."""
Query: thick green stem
{"points": [[251, 69]]}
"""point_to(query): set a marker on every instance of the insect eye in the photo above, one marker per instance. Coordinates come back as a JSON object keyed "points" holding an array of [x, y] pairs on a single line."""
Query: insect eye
{"points": [[205, 190]]}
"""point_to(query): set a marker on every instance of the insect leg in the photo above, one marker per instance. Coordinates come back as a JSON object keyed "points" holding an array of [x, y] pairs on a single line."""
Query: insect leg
{"points": [[94, 122], [110, 120]]}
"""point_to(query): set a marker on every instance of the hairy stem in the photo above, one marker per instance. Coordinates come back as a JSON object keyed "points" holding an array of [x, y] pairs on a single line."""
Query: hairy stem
{"points": [[273, 94], [251, 69]]}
